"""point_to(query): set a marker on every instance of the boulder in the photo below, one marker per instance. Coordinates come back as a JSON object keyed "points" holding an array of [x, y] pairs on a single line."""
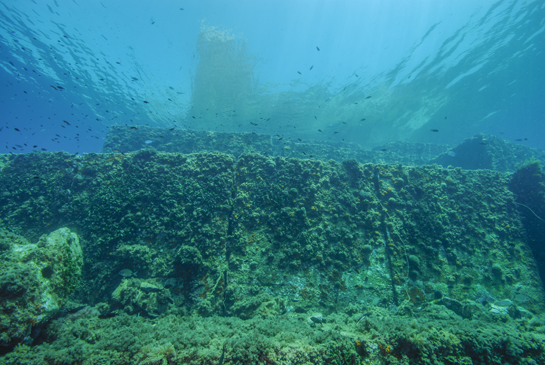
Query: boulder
{"points": [[35, 279]]}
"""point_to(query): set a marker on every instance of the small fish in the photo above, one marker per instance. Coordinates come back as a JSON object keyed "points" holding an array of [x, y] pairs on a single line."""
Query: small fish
{"points": [[148, 141], [434, 130], [107, 315], [75, 309], [299, 72], [356, 75], [384, 150], [66, 122], [315, 118], [146, 102], [134, 128], [451, 153], [368, 97], [220, 362], [319, 130], [311, 67], [126, 273], [362, 120], [171, 129], [134, 79], [17, 129], [318, 48], [344, 122]]}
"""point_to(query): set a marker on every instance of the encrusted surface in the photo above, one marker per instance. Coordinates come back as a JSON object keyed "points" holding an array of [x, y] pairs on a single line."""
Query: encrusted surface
{"points": [[262, 237]]}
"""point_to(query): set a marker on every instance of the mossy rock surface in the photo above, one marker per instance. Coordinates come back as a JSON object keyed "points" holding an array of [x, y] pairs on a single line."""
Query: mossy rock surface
{"points": [[255, 239], [35, 280]]}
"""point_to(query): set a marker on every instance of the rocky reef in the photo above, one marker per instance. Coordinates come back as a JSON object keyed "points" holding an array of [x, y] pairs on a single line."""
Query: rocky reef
{"points": [[35, 280], [215, 258]]}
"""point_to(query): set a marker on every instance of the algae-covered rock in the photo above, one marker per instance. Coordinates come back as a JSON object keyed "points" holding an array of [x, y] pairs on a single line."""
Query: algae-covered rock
{"points": [[35, 279], [259, 305], [484, 151], [403, 264], [142, 295]]}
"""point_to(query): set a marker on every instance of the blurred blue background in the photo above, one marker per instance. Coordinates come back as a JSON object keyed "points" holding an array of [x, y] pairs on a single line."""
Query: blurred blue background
{"points": [[367, 71]]}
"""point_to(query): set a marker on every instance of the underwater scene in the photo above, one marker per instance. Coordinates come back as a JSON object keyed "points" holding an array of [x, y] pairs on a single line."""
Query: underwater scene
{"points": [[272, 182]]}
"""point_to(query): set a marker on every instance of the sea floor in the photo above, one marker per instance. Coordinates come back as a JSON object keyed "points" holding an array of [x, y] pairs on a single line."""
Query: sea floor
{"points": [[429, 334]]}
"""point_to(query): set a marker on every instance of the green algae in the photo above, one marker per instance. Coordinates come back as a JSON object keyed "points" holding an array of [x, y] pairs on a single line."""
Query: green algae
{"points": [[433, 334], [35, 279], [265, 242]]}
